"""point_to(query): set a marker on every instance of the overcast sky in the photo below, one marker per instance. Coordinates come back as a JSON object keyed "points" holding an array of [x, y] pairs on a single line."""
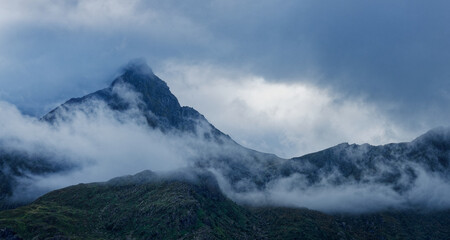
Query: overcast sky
{"points": [[288, 77]]}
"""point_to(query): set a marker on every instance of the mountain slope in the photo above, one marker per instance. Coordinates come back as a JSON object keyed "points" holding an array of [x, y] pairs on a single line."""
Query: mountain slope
{"points": [[397, 164], [148, 206], [16, 165], [412, 175], [136, 88], [158, 209], [152, 97], [137, 93]]}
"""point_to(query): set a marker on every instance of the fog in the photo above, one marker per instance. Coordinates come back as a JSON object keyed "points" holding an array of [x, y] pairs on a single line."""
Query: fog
{"points": [[101, 143], [97, 144], [287, 119], [429, 192]]}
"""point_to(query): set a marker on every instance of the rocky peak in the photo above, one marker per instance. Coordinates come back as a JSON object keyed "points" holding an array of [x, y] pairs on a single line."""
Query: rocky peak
{"points": [[138, 66], [160, 107], [155, 93]]}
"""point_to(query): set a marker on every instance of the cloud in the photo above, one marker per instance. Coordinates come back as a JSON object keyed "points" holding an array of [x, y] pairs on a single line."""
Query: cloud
{"points": [[428, 192], [381, 56], [390, 52], [98, 143], [285, 76], [89, 14], [289, 119], [74, 48]]}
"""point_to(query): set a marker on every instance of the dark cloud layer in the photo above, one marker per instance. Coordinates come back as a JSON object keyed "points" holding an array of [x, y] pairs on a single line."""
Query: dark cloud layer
{"points": [[393, 54]]}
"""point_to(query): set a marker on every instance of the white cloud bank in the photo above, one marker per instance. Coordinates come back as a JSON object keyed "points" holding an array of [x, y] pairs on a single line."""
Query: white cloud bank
{"points": [[289, 119], [103, 144], [429, 192]]}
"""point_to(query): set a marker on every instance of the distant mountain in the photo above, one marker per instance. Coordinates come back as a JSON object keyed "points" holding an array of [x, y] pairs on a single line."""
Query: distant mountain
{"points": [[396, 164], [136, 88], [153, 98], [150, 206], [402, 170]]}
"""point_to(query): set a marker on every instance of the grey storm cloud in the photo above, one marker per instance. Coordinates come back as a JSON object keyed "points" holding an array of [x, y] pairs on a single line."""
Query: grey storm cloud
{"points": [[393, 54]]}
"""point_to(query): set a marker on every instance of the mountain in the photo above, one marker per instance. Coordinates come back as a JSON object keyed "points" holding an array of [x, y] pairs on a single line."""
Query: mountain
{"points": [[159, 106], [138, 92], [16, 165], [149, 206], [397, 165], [143, 206], [361, 191], [152, 98]]}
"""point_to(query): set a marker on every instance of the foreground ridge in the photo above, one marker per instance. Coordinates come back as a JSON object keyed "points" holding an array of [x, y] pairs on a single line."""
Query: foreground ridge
{"points": [[147, 206]]}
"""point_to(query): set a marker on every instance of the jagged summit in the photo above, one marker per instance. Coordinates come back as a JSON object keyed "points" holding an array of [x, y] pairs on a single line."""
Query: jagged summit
{"points": [[157, 103], [138, 74], [138, 66], [154, 92]]}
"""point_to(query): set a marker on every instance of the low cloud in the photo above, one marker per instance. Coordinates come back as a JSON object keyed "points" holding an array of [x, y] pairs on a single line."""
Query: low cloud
{"points": [[54, 49], [98, 143], [289, 119], [429, 192]]}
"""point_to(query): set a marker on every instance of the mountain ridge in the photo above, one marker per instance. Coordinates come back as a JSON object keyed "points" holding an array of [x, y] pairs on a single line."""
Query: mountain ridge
{"points": [[161, 207], [396, 166], [347, 191], [155, 98]]}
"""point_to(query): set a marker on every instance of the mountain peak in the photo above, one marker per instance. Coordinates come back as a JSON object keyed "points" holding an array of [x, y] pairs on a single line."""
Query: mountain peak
{"points": [[157, 103], [138, 73], [138, 66]]}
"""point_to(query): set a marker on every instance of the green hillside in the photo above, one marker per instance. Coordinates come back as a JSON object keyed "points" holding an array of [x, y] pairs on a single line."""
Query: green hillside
{"points": [[147, 207]]}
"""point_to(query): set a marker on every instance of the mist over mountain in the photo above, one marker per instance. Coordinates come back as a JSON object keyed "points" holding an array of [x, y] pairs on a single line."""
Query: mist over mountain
{"points": [[138, 88], [159, 206], [137, 123]]}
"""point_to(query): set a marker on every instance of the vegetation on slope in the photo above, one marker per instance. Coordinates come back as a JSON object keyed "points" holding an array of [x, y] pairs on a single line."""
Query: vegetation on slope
{"points": [[162, 209], [145, 206]]}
